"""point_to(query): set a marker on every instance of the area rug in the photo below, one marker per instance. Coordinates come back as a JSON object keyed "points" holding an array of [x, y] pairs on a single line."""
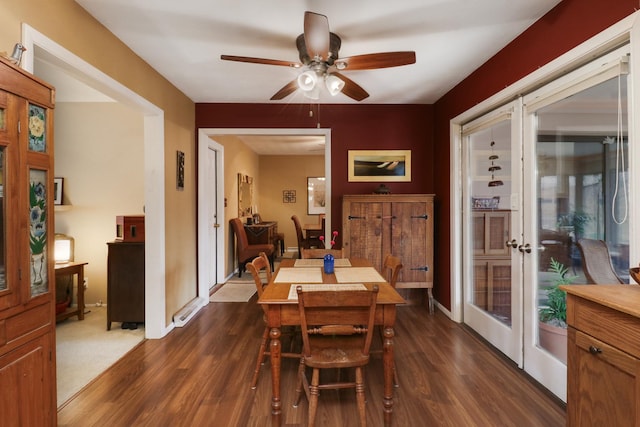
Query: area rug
{"points": [[234, 291]]}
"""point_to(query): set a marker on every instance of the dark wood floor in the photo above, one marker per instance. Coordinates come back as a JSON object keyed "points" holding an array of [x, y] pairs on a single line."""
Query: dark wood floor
{"points": [[199, 376]]}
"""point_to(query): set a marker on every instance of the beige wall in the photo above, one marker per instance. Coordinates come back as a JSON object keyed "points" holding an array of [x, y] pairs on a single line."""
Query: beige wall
{"points": [[67, 24], [272, 175], [278, 173], [99, 155]]}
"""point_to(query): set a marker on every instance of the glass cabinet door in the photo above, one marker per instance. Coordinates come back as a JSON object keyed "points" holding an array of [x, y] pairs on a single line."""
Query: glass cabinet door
{"points": [[3, 261], [38, 231]]}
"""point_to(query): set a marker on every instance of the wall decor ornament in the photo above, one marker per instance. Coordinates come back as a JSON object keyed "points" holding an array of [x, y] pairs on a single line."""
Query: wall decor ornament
{"points": [[288, 196]]}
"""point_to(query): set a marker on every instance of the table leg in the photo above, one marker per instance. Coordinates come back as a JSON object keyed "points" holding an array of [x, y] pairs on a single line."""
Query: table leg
{"points": [[387, 358], [81, 293], [275, 348]]}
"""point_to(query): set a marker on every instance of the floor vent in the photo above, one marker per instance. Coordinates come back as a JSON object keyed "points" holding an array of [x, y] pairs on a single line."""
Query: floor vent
{"points": [[185, 314]]}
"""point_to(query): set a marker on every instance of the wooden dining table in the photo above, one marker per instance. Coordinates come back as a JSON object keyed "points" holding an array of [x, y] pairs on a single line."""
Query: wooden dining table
{"points": [[282, 310]]}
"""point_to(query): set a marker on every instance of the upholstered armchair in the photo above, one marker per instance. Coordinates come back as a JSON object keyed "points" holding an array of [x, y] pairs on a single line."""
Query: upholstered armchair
{"points": [[246, 252]]}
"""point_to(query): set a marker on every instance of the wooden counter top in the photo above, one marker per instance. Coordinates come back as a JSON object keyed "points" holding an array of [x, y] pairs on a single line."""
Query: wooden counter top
{"points": [[623, 298]]}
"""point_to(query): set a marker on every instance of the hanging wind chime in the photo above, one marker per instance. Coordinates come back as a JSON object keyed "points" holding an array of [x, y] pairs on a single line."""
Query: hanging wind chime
{"points": [[493, 168]]}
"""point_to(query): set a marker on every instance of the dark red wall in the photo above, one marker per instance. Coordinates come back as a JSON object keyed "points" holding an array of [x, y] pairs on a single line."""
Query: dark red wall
{"points": [[563, 28], [353, 127], [424, 129]]}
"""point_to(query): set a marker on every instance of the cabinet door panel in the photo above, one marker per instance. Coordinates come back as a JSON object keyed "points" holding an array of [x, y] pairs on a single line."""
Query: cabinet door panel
{"points": [[411, 219], [364, 223], [9, 252], [25, 372], [606, 393]]}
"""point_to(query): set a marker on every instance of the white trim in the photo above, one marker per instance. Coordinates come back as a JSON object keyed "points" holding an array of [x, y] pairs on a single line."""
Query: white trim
{"points": [[326, 132], [155, 292]]}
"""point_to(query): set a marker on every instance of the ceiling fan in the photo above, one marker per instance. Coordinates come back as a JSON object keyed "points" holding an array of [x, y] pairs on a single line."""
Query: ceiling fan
{"points": [[318, 51]]}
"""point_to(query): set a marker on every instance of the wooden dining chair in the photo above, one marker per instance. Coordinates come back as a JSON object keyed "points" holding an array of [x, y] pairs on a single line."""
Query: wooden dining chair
{"points": [[260, 269], [303, 243], [391, 267], [320, 253], [336, 345], [246, 252], [596, 262]]}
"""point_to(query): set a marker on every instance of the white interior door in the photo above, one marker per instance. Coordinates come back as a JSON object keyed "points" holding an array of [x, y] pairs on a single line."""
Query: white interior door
{"points": [[210, 214], [492, 231]]}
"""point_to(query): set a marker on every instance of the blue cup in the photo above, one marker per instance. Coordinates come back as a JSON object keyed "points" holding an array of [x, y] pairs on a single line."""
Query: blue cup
{"points": [[328, 264]]}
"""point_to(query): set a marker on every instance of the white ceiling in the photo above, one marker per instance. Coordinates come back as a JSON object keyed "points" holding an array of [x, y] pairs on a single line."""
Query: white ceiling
{"points": [[183, 41]]}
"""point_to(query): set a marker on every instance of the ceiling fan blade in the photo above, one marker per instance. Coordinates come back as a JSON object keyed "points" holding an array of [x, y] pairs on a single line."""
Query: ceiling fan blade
{"points": [[316, 35], [287, 90], [352, 89], [260, 61], [375, 60]]}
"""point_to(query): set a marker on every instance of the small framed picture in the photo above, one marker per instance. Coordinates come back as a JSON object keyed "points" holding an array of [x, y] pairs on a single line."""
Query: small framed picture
{"points": [[180, 170], [316, 191], [57, 190], [288, 196]]}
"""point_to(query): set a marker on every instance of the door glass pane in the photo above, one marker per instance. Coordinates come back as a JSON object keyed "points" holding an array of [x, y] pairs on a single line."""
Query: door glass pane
{"points": [[37, 129], [490, 160], [3, 263], [38, 231], [582, 193]]}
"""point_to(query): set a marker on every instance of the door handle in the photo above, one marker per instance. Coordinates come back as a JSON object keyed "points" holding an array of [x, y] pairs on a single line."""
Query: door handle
{"points": [[526, 248], [512, 243]]}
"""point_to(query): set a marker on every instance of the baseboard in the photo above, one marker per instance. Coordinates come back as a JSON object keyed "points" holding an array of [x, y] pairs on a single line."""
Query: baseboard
{"points": [[185, 314]]}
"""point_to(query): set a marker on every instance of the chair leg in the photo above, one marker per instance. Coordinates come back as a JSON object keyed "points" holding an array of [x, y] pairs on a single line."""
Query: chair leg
{"points": [[299, 384], [360, 396], [313, 396], [261, 354]]}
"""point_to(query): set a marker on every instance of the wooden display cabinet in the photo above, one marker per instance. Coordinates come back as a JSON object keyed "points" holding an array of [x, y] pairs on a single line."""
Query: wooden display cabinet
{"points": [[492, 262], [400, 224], [27, 280]]}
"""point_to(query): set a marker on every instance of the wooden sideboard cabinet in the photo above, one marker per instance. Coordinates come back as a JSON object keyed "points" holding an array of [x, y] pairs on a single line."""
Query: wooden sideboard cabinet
{"points": [[125, 283], [603, 364], [492, 262], [27, 279], [400, 224]]}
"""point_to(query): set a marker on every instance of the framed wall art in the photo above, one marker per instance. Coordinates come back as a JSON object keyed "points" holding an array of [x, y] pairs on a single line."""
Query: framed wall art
{"points": [[180, 170], [316, 195], [379, 165], [57, 190]]}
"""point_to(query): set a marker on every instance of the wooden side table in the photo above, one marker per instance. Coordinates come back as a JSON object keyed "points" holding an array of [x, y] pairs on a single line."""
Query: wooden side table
{"points": [[73, 268]]}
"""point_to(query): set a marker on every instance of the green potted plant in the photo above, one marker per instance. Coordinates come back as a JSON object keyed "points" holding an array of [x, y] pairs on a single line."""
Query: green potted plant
{"points": [[553, 313]]}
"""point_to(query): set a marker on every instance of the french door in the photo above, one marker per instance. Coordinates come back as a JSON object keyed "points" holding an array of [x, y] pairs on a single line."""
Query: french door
{"points": [[576, 187], [493, 273], [542, 173]]}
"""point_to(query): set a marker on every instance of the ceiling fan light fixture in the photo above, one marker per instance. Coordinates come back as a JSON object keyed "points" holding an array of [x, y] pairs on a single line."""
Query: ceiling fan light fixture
{"points": [[307, 81], [334, 84]]}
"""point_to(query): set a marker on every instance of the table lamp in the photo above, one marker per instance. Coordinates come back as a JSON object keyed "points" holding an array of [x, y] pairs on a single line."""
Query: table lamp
{"points": [[63, 248]]}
